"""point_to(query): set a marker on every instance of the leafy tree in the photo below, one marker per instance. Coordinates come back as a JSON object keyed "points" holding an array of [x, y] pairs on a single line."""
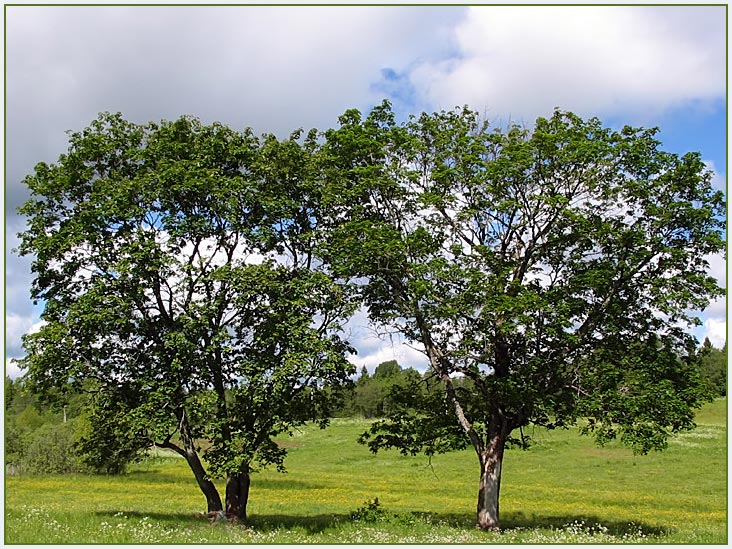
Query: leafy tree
{"points": [[554, 269], [15, 445], [176, 266], [18, 396], [40, 436], [11, 389], [387, 369]]}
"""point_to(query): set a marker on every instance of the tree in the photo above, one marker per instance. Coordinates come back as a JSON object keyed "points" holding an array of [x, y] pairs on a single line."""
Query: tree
{"points": [[177, 270], [11, 390], [553, 269], [387, 369], [364, 375], [41, 436]]}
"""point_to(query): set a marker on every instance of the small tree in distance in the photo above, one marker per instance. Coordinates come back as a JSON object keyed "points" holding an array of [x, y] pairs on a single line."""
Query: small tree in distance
{"points": [[387, 369], [553, 269]]}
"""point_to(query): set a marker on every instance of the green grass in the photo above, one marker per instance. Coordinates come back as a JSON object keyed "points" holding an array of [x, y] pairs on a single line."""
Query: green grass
{"points": [[563, 490]]}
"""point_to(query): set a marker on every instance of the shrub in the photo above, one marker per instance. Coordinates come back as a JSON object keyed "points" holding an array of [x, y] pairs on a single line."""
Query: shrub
{"points": [[51, 450], [370, 512], [15, 445]]}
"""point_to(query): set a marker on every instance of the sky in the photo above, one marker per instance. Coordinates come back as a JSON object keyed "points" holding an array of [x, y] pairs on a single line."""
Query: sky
{"points": [[279, 68]]}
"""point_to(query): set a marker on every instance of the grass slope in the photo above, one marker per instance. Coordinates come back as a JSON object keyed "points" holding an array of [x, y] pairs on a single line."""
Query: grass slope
{"points": [[563, 490]]}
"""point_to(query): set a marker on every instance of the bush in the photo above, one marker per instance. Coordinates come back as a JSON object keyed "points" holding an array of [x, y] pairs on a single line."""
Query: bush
{"points": [[15, 445], [370, 512], [51, 450]]}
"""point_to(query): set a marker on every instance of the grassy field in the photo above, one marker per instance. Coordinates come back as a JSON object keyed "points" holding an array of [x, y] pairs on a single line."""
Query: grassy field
{"points": [[563, 490]]}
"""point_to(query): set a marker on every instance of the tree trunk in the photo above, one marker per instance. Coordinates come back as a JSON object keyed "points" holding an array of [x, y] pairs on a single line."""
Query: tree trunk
{"points": [[213, 500], [237, 494], [491, 460]]}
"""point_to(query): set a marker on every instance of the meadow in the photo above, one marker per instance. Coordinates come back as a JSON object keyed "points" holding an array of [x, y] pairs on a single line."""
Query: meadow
{"points": [[563, 490]]}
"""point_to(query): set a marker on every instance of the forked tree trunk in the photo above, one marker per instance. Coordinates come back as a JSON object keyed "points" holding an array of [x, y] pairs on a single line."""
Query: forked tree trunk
{"points": [[237, 494], [213, 500], [491, 460]]}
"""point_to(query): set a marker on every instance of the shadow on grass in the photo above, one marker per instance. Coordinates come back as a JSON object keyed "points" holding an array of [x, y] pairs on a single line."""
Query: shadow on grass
{"points": [[169, 518], [515, 520], [261, 523], [311, 524], [320, 523]]}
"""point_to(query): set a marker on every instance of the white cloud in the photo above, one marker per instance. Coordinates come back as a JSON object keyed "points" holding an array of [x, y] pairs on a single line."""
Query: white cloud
{"points": [[405, 355], [273, 68], [719, 180], [11, 369], [716, 330], [718, 268], [716, 308], [523, 61], [278, 68], [375, 346], [16, 327]]}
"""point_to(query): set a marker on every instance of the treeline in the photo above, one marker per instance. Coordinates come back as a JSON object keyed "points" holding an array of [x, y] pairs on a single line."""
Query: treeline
{"points": [[53, 436], [41, 437], [714, 368], [370, 397], [54, 433]]}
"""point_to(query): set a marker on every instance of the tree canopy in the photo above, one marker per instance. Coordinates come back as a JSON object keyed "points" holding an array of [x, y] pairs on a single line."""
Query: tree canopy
{"points": [[175, 264], [556, 268]]}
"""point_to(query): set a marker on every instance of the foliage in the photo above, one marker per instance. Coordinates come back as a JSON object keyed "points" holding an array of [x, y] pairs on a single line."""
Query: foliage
{"points": [[177, 270], [14, 446], [195, 280], [107, 440], [51, 450], [371, 396], [387, 369], [371, 511], [552, 267], [714, 368], [10, 392], [40, 438]]}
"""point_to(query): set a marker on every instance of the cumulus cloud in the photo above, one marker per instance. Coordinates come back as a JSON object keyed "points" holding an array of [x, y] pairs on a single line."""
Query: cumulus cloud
{"points": [[523, 61], [11, 368], [375, 345], [272, 68], [716, 330], [407, 356], [718, 268], [16, 327], [719, 180]]}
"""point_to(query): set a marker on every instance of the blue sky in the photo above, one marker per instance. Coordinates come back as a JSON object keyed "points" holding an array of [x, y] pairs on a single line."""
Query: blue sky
{"points": [[279, 68]]}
